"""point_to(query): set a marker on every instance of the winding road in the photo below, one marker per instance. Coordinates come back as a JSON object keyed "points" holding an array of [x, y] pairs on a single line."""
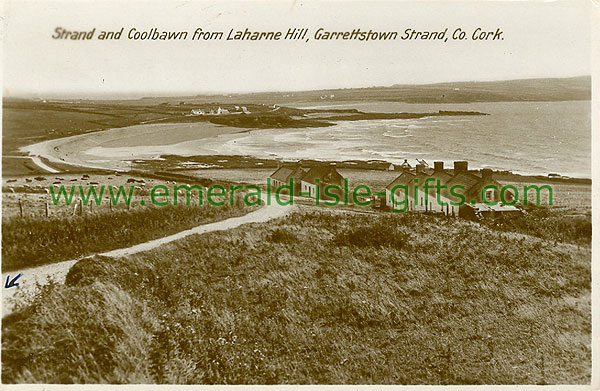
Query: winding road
{"points": [[28, 282]]}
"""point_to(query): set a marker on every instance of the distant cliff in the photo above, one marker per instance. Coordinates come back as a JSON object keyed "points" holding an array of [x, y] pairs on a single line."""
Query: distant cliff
{"points": [[526, 90]]}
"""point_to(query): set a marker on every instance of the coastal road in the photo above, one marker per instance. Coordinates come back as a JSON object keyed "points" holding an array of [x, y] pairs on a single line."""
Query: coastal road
{"points": [[42, 165], [56, 272], [37, 161]]}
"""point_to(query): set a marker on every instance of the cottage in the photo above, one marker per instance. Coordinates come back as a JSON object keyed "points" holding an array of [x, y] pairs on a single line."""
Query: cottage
{"points": [[323, 177], [411, 194], [284, 174], [461, 182], [441, 175], [408, 182], [426, 181], [418, 201], [395, 192], [472, 189]]}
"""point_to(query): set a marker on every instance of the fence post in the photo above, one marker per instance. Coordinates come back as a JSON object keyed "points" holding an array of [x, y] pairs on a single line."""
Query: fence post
{"points": [[47, 210], [20, 208], [80, 207]]}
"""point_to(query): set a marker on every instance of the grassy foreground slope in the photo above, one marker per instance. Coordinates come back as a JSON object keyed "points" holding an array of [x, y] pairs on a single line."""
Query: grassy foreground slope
{"points": [[35, 241], [317, 298]]}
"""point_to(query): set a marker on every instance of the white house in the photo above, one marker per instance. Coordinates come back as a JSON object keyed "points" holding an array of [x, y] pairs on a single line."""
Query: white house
{"points": [[326, 175]]}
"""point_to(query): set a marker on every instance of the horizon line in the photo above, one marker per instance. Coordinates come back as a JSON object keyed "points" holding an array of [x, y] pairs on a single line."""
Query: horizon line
{"points": [[187, 94]]}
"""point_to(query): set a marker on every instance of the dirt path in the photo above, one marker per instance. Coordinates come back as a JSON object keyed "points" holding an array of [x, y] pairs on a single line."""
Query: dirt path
{"points": [[42, 165], [28, 282], [37, 161]]}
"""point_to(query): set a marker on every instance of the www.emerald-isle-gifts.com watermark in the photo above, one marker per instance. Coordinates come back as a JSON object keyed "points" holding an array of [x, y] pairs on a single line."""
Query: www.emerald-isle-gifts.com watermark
{"points": [[399, 198]]}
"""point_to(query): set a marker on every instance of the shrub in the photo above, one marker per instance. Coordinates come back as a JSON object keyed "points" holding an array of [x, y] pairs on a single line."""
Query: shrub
{"points": [[374, 235], [546, 224], [281, 235]]}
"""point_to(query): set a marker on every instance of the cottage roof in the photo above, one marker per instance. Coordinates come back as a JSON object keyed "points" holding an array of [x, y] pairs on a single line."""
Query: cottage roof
{"points": [[283, 174], [465, 179], [325, 174], [472, 183], [406, 178], [442, 176]]}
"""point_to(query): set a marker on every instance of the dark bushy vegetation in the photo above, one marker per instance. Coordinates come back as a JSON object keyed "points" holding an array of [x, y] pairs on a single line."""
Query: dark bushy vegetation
{"points": [[267, 121], [547, 223], [281, 235], [378, 234], [32, 241], [454, 303]]}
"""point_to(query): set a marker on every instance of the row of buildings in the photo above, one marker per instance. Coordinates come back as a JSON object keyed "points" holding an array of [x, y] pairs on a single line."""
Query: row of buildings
{"points": [[307, 182], [409, 188], [474, 186], [221, 111]]}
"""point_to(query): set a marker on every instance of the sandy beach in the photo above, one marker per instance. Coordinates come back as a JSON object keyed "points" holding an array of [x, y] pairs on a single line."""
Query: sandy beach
{"points": [[116, 148]]}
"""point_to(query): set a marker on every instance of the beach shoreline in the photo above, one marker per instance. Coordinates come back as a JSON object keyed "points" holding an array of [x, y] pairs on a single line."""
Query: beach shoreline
{"points": [[90, 150], [167, 146]]}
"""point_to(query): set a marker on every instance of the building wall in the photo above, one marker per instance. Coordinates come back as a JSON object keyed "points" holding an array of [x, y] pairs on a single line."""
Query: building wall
{"points": [[448, 209], [308, 188], [399, 197], [311, 189], [418, 205], [276, 183]]}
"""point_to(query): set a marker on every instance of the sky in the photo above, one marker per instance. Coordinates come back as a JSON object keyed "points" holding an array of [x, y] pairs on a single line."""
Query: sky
{"points": [[541, 39]]}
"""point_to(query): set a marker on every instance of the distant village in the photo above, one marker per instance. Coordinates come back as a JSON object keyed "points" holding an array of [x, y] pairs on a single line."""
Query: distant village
{"points": [[307, 181], [221, 111]]}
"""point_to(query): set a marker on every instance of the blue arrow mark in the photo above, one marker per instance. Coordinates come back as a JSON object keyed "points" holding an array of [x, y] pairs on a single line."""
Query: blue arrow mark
{"points": [[10, 283]]}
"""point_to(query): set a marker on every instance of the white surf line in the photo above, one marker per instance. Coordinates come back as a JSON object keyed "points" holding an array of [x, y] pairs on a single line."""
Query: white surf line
{"points": [[56, 272]]}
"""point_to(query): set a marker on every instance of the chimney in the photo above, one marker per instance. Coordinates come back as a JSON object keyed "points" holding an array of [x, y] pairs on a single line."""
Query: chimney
{"points": [[438, 166], [460, 166], [486, 173], [419, 168]]}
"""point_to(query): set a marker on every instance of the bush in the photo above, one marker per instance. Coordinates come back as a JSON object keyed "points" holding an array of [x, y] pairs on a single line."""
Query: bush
{"points": [[375, 235], [546, 224], [281, 235]]}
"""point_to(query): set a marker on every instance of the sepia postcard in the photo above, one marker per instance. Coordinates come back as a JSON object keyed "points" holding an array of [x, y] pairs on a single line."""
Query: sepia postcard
{"points": [[257, 194]]}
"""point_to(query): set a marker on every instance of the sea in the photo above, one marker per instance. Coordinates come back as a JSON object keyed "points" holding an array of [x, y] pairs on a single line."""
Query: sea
{"points": [[529, 138]]}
